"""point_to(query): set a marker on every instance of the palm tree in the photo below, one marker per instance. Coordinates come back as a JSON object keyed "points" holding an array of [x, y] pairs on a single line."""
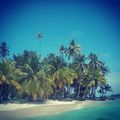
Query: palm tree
{"points": [[31, 67], [104, 89], [28, 57], [8, 78], [39, 36], [94, 62], [80, 67], [62, 76], [96, 66], [99, 80], [4, 50], [73, 50], [35, 84]]}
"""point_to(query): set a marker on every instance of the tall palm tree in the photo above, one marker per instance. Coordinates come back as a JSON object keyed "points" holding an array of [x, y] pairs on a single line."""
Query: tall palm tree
{"points": [[39, 36], [96, 65], [73, 50], [80, 67], [4, 50]]}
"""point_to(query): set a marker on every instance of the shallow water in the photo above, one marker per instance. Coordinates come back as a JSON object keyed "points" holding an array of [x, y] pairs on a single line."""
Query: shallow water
{"points": [[109, 110]]}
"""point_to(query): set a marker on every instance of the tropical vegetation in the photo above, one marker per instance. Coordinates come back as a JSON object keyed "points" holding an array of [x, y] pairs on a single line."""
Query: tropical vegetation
{"points": [[27, 76]]}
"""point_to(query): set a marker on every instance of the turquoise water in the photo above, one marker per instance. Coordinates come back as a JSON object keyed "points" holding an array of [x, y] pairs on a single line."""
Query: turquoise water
{"points": [[101, 111]]}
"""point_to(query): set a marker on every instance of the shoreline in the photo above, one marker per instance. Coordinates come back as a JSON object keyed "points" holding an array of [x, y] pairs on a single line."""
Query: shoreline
{"points": [[14, 111]]}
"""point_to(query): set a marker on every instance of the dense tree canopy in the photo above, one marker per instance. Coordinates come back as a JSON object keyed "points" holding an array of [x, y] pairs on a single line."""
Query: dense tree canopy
{"points": [[27, 76]]}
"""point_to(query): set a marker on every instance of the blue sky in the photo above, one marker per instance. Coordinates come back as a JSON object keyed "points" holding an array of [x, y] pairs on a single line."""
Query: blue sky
{"points": [[94, 24]]}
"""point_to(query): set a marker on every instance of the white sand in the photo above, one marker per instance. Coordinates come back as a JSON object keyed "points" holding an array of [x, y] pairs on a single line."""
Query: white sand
{"points": [[14, 106], [14, 111]]}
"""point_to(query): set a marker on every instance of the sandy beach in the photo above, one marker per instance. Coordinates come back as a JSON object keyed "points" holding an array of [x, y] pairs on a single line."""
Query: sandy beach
{"points": [[13, 111]]}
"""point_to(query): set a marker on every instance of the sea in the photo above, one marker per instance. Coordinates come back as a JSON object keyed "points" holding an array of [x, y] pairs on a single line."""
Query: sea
{"points": [[107, 110]]}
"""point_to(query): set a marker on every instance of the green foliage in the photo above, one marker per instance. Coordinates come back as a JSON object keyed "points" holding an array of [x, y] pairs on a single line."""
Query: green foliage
{"points": [[71, 51], [8, 78], [29, 77]]}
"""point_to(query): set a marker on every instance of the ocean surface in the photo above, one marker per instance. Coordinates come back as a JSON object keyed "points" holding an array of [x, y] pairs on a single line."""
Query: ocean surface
{"points": [[109, 110]]}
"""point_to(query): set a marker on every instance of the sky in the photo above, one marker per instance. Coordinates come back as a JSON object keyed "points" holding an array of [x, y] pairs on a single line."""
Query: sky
{"points": [[94, 24]]}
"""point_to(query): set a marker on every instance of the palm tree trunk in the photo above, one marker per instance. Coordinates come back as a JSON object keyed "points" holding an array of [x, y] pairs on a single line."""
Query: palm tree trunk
{"points": [[95, 92], [78, 95], [92, 92], [68, 90]]}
